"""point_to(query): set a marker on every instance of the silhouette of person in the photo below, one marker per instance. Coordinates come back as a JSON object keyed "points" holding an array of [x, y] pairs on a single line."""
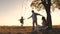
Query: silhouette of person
{"points": [[44, 23], [21, 21], [34, 18]]}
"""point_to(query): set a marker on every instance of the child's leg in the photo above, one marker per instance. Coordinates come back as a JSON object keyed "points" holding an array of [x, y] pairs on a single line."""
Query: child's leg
{"points": [[21, 24], [36, 23], [33, 25]]}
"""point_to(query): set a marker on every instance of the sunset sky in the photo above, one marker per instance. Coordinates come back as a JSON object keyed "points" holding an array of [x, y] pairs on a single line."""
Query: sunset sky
{"points": [[12, 10]]}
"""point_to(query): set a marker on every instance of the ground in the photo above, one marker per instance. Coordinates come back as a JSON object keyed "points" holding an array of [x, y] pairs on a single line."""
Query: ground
{"points": [[25, 30]]}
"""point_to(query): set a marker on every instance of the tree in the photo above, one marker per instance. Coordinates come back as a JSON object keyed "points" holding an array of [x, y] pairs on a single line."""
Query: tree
{"points": [[46, 4], [57, 2]]}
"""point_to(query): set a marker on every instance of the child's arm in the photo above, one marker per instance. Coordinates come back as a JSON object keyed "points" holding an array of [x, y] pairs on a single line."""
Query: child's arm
{"points": [[39, 14], [29, 17], [18, 19]]}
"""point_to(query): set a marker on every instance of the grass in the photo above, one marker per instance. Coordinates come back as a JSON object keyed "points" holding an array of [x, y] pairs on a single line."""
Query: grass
{"points": [[25, 30]]}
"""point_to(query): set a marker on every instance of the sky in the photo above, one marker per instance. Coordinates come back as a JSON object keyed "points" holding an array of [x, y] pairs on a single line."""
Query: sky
{"points": [[12, 10]]}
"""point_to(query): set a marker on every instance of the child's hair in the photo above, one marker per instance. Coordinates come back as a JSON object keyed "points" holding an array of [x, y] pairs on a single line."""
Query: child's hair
{"points": [[22, 17], [32, 11]]}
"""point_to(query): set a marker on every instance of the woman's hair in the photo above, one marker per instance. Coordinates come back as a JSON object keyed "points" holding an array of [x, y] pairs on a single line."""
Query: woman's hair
{"points": [[43, 18]]}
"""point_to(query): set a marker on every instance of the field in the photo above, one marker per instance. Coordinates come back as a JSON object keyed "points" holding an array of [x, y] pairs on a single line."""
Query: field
{"points": [[25, 30]]}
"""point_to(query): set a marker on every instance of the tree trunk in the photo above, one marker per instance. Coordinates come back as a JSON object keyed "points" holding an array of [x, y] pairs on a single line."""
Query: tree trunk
{"points": [[48, 17], [47, 8], [49, 21]]}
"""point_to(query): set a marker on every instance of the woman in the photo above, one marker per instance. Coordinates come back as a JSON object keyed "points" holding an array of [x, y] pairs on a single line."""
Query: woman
{"points": [[44, 23]]}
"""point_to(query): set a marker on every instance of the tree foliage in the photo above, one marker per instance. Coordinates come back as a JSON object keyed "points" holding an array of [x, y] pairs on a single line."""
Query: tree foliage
{"points": [[38, 5], [57, 2]]}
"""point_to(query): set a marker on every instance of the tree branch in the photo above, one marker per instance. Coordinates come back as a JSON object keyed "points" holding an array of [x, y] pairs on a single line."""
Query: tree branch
{"points": [[44, 2], [49, 2]]}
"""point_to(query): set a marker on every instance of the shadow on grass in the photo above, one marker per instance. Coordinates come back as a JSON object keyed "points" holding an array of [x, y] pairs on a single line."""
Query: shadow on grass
{"points": [[52, 31]]}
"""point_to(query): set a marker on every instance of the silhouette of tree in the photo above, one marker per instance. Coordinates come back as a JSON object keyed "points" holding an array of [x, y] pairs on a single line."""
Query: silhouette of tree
{"points": [[47, 5], [57, 2]]}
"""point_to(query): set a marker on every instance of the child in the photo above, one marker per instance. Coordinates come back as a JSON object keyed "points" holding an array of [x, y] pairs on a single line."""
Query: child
{"points": [[34, 18], [21, 21]]}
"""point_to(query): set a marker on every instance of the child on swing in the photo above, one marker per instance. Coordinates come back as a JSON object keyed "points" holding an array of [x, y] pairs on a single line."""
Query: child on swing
{"points": [[21, 21]]}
